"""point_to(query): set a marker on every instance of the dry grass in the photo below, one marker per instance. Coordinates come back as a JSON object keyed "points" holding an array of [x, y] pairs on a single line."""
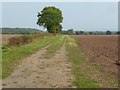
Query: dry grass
{"points": [[6, 37]]}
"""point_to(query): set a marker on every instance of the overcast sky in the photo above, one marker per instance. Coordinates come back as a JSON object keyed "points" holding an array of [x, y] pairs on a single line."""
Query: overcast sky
{"points": [[79, 16]]}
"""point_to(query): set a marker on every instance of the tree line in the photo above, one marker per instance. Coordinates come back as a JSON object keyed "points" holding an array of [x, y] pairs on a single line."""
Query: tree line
{"points": [[19, 30], [108, 32]]}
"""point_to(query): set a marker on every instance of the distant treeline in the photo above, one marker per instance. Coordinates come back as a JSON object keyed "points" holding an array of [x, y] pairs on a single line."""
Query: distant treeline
{"points": [[108, 32], [19, 30]]}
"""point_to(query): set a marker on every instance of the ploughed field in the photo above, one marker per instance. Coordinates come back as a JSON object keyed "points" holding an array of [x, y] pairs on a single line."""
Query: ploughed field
{"points": [[105, 47], [101, 50]]}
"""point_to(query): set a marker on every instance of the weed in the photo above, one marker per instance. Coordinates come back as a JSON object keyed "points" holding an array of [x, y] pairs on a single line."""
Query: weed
{"points": [[96, 68], [51, 50], [82, 80]]}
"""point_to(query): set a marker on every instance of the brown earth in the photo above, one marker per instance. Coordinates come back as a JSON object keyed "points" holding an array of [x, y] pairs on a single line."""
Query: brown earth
{"points": [[102, 51], [6, 37], [37, 71]]}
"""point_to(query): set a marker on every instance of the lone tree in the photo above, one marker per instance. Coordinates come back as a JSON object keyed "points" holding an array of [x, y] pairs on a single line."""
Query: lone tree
{"points": [[50, 18]]}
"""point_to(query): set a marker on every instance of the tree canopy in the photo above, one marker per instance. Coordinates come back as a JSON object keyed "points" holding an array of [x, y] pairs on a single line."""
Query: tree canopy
{"points": [[108, 33], [50, 18]]}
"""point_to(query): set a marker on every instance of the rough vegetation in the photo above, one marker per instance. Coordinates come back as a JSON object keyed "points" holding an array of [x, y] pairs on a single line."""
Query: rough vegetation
{"points": [[17, 41], [102, 53], [37, 71], [80, 70], [92, 61], [20, 52]]}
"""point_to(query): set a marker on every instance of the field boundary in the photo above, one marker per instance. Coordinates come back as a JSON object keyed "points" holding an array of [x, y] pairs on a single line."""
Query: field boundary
{"points": [[77, 59]]}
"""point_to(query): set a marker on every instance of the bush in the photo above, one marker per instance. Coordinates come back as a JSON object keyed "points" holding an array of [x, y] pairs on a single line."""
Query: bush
{"points": [[108, 33], [5, 48], [21, 40]]}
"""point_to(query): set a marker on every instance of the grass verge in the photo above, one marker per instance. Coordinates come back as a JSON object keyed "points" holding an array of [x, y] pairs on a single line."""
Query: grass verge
{"points": [[82, 80], [12, 57], [96, 68], [51, 50]]}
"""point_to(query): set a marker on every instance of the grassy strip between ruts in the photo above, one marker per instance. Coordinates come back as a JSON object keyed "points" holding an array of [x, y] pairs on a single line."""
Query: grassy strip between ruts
{"points": [[54, 47], [12, 57], [81, 79]]}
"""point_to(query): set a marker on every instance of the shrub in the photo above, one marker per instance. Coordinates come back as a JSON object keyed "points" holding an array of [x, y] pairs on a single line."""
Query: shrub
{"points": [[108, 33], [5, 48], [21, 40]]}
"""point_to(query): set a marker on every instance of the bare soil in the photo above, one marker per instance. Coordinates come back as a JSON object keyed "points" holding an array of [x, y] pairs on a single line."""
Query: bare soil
{"points": [[37, 71], [102, 52]]}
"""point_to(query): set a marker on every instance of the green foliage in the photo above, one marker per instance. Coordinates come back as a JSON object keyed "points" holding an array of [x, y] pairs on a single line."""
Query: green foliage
{"points": [[118, 32], [50, 18], [90, 33], [72, 32], [5, 48], [79, 32], [96, 68], [108, 33]]}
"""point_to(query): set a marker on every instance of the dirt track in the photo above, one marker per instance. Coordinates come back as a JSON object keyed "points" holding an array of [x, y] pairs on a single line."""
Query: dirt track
{"points": [[37, 71]]}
